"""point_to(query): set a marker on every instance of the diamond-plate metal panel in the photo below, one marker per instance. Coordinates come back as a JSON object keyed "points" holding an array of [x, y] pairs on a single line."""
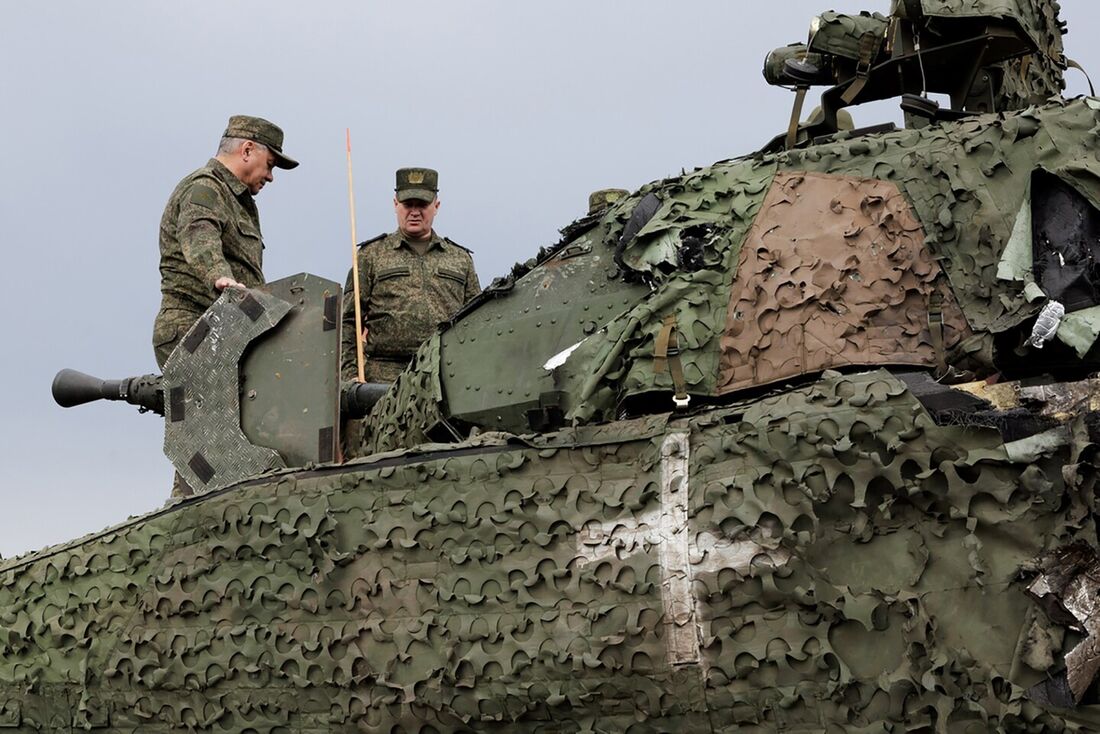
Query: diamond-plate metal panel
{"points": [[204, 441]]}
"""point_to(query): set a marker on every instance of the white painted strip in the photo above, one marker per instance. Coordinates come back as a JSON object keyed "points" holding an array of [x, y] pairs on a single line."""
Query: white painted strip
{"points": [[680, 552], [682, 634]]}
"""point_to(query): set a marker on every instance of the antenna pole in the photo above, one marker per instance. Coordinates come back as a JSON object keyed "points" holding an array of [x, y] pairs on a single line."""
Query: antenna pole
{"points": [[355, 269]]}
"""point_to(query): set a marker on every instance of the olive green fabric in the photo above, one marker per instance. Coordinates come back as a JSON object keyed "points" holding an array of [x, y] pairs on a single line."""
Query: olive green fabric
{"points": [[169, 327], [842, 34], [1080, 329], [210, 229], [411, 408], [822, 557]]}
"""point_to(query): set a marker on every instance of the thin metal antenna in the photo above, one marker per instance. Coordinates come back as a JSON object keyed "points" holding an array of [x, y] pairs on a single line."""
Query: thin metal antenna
{"points": [[920, 63], [355, 270]]}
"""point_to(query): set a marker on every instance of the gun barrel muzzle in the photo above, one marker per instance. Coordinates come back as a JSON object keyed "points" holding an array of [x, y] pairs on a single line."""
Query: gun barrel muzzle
{"points": [[71, 388]]}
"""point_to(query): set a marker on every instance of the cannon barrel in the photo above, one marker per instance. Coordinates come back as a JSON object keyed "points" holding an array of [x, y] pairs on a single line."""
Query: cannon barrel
{"points": [[357, 398], [72, 388]]}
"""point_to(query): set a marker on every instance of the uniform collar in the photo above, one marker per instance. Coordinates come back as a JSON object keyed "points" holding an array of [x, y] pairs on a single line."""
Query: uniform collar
{"points": [[435, 241], [228, 177]]}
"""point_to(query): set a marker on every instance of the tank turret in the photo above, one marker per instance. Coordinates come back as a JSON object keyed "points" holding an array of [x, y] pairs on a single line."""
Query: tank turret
{"points": [[830, 249]]}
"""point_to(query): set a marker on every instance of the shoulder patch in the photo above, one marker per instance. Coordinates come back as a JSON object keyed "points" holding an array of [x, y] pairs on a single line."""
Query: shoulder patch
{"points": [[449, 241], [204, 196], [364, 243]]}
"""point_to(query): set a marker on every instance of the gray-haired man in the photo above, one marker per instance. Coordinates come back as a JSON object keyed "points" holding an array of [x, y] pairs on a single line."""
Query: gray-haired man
{"points": [[210, 231]]}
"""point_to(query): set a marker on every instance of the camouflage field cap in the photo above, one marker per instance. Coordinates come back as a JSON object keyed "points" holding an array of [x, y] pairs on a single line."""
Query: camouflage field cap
{"points": [[261, 131], [604, 198], [417, 183]]}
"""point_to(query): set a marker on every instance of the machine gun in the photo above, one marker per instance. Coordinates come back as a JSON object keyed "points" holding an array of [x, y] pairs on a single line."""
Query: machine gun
{"points": [[253, 385]]}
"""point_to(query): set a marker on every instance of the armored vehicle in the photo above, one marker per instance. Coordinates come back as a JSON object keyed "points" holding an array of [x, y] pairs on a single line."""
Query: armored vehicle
{"points": [[800, 441]]}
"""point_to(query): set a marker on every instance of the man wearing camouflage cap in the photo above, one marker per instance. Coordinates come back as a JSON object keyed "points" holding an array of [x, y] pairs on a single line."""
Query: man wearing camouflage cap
{"points": [[210, 235], [409, 281]]}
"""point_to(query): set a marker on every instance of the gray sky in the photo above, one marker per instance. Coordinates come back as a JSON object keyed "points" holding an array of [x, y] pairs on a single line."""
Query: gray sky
{"points": [[524, 108]]}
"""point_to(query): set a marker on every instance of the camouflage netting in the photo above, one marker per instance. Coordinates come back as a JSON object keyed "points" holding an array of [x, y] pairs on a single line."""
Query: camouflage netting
{"points": [[854, 287], [1033, 78], [827, 559], [962, 189], [409, 408]]}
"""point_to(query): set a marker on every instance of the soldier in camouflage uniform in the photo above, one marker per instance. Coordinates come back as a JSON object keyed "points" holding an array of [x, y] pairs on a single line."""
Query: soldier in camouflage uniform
{"points": [[210, 235], [409, 281]]}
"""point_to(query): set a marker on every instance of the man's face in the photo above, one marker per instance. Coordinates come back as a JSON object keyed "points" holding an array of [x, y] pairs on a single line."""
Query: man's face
{"points": [[257, 163], [415, 217]]}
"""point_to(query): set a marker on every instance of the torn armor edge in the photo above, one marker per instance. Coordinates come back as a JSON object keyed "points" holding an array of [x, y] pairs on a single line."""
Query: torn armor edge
{"points": [[1068, 590]]}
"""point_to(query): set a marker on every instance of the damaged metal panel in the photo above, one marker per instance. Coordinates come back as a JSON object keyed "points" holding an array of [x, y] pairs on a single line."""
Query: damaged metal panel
{"points": [[1068, 590], [1066, 241]]}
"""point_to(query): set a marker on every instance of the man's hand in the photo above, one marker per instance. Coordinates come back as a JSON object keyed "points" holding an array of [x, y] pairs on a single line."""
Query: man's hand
{"points": [[226, 282]]}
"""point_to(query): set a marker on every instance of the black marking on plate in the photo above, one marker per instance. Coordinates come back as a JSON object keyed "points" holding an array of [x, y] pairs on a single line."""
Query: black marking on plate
{"points": [[252, 308], [331, 313], [176, 405], [325, 440], [194, 337], [202, 468]]}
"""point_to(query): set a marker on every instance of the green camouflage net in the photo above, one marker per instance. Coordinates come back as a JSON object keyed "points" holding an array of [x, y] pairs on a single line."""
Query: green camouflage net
{"points": [[827, 559]]}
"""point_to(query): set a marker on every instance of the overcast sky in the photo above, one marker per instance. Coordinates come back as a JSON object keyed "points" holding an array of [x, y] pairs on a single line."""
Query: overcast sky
{"points": [[524, 107]]}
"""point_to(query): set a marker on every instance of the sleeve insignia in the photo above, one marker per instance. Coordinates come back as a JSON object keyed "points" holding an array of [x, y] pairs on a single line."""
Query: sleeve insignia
{"points": [[204, 196]]}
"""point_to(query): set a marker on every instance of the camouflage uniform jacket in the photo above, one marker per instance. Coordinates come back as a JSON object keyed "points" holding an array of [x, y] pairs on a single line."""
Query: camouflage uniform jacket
{"points": [[403, 296], [210, 229]]}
